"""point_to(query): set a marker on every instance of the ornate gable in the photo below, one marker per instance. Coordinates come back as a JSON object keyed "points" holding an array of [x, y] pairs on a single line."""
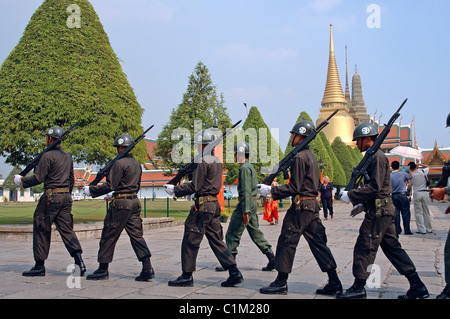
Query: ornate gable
{"points": [[436, 157]]}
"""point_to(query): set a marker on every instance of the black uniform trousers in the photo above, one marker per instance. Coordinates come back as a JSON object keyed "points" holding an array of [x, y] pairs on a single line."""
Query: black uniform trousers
{"points": [[306, 222], [367, 244], [200, 222], [55, 208], [123, 214]]}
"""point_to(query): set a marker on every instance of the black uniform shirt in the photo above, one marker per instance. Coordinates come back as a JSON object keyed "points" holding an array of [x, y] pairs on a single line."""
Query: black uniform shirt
{"points": [[379, 186], [55, 170], [304, 179], [206, 180], [124, 178]]}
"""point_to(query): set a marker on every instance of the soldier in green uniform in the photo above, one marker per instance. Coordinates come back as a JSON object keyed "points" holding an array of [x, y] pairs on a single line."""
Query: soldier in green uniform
{"points": [[244, 215]]}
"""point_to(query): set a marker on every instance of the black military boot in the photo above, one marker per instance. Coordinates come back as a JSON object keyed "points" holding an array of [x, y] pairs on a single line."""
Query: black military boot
{"points": [[147, 272], [220, 268], [185, 280], [278, 287], [271, 265], [38, 270], [80, 263], [100, 274], [417, 288], [234, 278], [445, 294], [356, 291], [333, 286]]}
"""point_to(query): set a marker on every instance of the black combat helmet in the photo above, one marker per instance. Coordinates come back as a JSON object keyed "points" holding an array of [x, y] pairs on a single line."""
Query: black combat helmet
{"points": [[304, 128], [242, 147], [448, 120], [365, 129], [204, 137], [123, 140], [55, 132]]}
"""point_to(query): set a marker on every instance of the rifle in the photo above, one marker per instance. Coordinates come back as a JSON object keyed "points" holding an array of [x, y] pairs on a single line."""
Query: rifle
{"points": [[287, 161], [190, 167], [360, 171], [52, 146], [105, 170]]}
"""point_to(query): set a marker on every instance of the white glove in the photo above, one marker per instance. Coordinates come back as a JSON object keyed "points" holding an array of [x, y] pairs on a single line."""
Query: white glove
{"points": [[18, 180], [358, 209], [264, 190], [86, 191], [170, 189], [344, 197]]}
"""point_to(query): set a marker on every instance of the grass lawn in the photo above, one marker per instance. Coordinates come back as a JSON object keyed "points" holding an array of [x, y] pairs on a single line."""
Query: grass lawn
{"points": [[89, 210]]}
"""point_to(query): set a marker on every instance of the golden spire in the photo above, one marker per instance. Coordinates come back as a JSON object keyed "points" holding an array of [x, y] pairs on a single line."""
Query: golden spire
{"points": [[347, 88], [342, 124], [333, 95]]}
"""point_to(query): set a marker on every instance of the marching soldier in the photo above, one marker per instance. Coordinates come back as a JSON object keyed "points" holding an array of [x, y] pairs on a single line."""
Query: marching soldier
{"points": [[302, 218], [378, 227], [244, 215], [55, 170], [124, 212], [204, 216]]}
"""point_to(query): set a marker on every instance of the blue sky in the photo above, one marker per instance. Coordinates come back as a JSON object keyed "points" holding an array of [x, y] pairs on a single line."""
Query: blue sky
{"points": [[274, 55]]}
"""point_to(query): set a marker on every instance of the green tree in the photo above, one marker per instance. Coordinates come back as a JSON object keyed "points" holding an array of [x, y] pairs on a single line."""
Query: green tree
{"points": [[265, 151], [61, 73], [338, 177], [345, 158], [200, 103]]}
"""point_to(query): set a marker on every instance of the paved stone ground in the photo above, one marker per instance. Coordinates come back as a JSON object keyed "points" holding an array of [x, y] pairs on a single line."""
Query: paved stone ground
{"points": [[426, 251]]}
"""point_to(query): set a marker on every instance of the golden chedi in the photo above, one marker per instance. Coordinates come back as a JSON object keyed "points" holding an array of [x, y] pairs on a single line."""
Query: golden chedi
{"points": [[342, 124]]}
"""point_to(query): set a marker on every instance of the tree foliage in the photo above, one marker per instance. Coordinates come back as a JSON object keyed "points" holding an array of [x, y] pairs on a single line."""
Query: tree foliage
{"points": [[200, 103], [265, 152], [338, 177], [342, 153], [58, 75]]}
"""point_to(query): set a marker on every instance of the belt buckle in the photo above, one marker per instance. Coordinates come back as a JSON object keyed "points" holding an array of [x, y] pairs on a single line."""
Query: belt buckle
{"points": [[297, 201], [201, 201]]}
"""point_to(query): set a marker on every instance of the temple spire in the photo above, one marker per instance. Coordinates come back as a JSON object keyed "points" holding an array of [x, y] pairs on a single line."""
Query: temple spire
{"points": [[347, 88], [342, 124], [333, 95]]}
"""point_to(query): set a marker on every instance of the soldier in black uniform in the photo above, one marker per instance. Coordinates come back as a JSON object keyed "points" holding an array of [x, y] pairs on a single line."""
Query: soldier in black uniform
{"points": [[124, 212], [203, 217], [302, 218], [55, 170], [378, 227]]}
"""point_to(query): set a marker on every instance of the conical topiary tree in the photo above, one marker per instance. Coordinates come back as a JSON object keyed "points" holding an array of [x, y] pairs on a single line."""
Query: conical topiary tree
{"points": [[316, 146], [338, 178], [343, 155], [268, 152], [62, 71]]}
